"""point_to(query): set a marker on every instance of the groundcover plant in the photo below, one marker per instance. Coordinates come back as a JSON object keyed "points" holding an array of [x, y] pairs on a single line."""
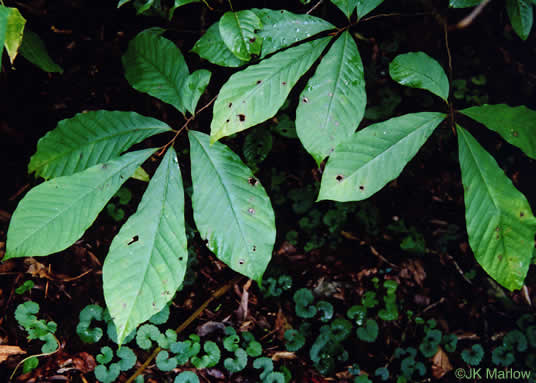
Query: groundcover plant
{"points": [[85, 160]]}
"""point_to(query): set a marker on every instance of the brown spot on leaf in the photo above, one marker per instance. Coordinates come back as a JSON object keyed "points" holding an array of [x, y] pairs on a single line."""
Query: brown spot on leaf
{"points": [[242, 117], [339, 177], [241, 261], [258, 82], [254, 248], [230, 105], [227, 121], [251, 211], [521, 214], [253, 181], [515, 133], [497, 228], [284, 83], [252, 40], [305, 100], [134, 239], [361, 187]]}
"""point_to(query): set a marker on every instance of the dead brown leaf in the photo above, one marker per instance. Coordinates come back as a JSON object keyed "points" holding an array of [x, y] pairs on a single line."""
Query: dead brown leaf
{"points": [[413, 269], [281, 324], [285, 355], [6, 351], [440, 364], [242, 311], [36, 269], [286, 248]]}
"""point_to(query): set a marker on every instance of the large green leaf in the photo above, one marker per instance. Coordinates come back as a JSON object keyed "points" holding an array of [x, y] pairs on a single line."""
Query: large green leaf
{"points": [[56, 213], [238, 31], [231, 208], [418, 70], [212, 48], [333, 102], [366, 6], [375, 155], [463, 3], [281, 29], [33, 49], [521, 16], [499, 219], [88, 139], [11, 30], [147, 258], [155, 65], [255, 94], [346, 6], [517, 125]]}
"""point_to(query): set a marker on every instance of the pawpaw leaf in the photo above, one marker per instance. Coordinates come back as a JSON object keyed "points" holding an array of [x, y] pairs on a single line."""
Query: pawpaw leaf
{"points": [[500, 224], [148, 257], [231, 208]]}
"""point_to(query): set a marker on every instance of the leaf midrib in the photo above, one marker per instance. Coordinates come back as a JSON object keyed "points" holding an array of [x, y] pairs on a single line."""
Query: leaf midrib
{"points": [[153, 240], [75, 201], [141, 53], [335, 89], [251, 93], [227, 194], [389, 148], [99, 140]]}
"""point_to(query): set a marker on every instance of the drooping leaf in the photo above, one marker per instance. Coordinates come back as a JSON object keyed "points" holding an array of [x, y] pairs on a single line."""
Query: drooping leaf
{"points": [[11, 30], [238, 31], [231, 208], [500, 224], [196, 84], [143, 5], [333, 102], [517, 125], [155, 65], [212, 48], [463, 3], [33, 49], [521, 16], [374, 156], [255, 94], [148, 257], [88, 139], [180, 3], [364, 7], [281, 28], [54, 214], [418, 70], [346, 6]]}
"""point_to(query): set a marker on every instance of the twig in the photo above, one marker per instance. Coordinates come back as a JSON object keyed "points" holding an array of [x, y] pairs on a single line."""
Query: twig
{"points": [[218, 293], [314, 7], [467, 20], [207, 4], [395, 14], [449, 103], [36, 356], [381, 257], [185, 126], [431, 306]]}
